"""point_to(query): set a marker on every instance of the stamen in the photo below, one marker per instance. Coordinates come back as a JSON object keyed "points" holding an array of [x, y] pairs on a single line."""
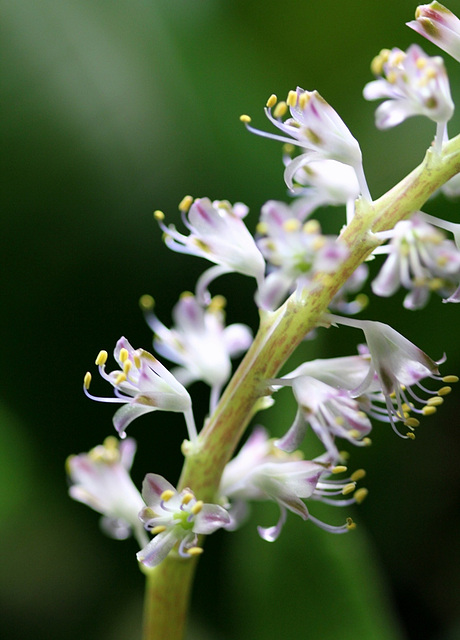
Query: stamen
{"points": [[434, 402], [197, 507], [159, 215], [412, 422], [87, 380], [195, 551], [167, 495], [245, 119], [339, 469], [360, 494], [124, 355], [450, 379], [121, 377], [101, 358], [429, 410], [146, 302], [292, 99], [280, 110], [185, 204], [349, 488], [187, 497], [350, 524], [410, 435], [271, 101], [357, 475], [444, 391], [158, 529]]}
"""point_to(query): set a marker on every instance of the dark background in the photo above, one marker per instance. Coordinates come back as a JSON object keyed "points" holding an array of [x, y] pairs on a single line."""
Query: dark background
{"points": [[114, 109]]}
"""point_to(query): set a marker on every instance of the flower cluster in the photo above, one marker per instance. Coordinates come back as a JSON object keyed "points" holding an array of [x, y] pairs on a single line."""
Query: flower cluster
{"points": [[293, 264]]}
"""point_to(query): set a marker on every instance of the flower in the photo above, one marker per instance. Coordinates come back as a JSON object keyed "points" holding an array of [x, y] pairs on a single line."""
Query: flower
{"points": [[420, 259], [330, 411], [101, 480], [294, 252], [262, 472], [439, 25], [314, 126], [142, 385], [414, 83], [396, 370], [176, 519], [199, 343], [217, 233]]}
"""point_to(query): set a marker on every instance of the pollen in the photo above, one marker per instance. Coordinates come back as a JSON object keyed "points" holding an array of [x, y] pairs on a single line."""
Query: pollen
{"points": [[158, 215], [435, 402], [271, 101], [185, 203], [197, 507], [349, 488], [158, 529], [280, 109], [101, 358], [87, 380], [340, 468], [292, 99], [357, 475], [146, 302], [245, 119], [195, 551], [167, 495], [360, 494]]}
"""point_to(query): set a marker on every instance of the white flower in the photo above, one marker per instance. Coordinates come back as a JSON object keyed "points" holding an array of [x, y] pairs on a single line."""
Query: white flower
{"points": [[199, 342], [262, 472], [176, 519], [294, 251], [217, 233], [439, 25], [415, 84], [142, 384], [316, 127], [101, 480], [421, 260]]}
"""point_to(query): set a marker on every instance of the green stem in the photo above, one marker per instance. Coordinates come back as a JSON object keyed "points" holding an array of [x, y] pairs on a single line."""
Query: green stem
{"points": [[279, 334]]}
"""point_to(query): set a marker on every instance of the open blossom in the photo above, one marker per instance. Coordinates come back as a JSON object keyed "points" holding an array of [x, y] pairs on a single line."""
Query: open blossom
{"points": [[413, 83], [142, 384], [101, 480], [262, 472], [175, 519], [331, 412], [397, 368], [294, 252], [217, 233], [199, 342], [315, 127], [439, 25], [420, 259]]}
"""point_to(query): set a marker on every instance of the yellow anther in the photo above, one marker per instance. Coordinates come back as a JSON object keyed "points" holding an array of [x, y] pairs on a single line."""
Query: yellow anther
{"points": [[187, 497], [146, 302], [272, 101], [288, 148], [127, 367], [360, 494], [350, 524], [217, 303], [158, 215], [167, 495], [124, 355], [292, 99], [410, 435], [421, 62], [349, 488], [87, 380], [391, 77], [412, 422], [319, 243], [450, 379], [68, 463], [304, 99], [435, 402], [378, 62], [280, 109], [101, 358], [262, 228], [436, 283], [197, 507], [313, 136], [158, 529], [429, 410], [245, 119], [185, 203], [121, 377], [357, 475], [340, 420], [367, 442], [111, 443], [195, 551], [405, 407], [354, 433], [444, 391], [137, 362], [312, 226], [344, 455], [362, 300], [340, 468], [291, 225]]}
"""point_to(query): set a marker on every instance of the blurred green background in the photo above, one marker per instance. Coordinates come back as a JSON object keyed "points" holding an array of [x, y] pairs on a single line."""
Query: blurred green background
{"points": [[112, 109]]}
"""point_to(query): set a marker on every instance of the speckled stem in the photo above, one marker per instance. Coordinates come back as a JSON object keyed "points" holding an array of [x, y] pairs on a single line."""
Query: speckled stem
{"points": [[280, 332]]}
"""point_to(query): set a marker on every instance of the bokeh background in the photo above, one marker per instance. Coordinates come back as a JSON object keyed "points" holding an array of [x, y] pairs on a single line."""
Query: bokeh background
{"points": [[114, 109]]}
